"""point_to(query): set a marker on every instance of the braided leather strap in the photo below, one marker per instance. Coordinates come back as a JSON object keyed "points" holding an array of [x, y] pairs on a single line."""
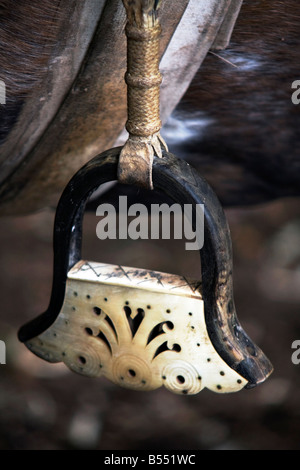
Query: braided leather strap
{"points": [[143, 92]]}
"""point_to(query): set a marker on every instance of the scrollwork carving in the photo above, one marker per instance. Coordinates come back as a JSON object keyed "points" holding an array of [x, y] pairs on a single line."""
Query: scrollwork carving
{"points": [[121, 323]]}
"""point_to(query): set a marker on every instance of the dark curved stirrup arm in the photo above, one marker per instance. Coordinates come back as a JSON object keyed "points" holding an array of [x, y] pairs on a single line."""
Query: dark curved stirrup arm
{"points": [[181, 183]]}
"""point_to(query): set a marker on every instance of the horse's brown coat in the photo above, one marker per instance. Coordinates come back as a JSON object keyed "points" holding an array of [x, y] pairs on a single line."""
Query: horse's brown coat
{"points": [[28, 34], [249, 147], [250, 150]]}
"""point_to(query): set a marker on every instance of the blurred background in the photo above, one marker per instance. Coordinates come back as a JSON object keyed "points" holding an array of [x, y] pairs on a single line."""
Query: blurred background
{"points": [[44, 406]]}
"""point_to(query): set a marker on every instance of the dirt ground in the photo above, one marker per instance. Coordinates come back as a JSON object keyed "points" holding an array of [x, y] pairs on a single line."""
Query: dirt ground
{"points": [[44, 406]]}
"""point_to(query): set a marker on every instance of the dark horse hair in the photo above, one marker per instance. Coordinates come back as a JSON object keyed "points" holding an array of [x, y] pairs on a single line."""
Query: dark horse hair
{"points": [[28, 34], [244, 133]]}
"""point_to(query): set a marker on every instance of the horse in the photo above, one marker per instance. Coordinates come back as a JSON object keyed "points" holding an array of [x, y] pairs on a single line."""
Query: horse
{"points": [[226, 97]]}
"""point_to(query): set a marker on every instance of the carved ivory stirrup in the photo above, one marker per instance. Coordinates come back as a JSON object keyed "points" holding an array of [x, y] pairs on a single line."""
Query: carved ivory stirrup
{"points": [[139, 328], [143, 329]]}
